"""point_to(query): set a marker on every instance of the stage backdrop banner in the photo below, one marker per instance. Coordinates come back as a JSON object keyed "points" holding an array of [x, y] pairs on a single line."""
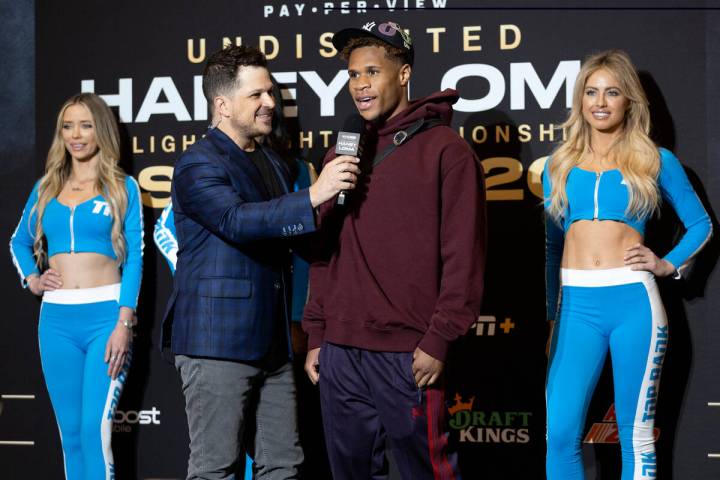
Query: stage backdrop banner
{"points": [[514, 65]]}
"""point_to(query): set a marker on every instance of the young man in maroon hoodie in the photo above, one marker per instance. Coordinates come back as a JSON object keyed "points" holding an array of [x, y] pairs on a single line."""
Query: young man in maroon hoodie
{"points": [[401, 275]]}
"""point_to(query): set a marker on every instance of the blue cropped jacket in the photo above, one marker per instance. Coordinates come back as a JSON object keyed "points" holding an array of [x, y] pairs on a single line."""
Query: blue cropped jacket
{"points": [[604, 196], [85, 227]]}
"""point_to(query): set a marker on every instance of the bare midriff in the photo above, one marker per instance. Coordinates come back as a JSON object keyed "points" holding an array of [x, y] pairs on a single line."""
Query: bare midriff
{"points": [[598, 244], [85, 270]]}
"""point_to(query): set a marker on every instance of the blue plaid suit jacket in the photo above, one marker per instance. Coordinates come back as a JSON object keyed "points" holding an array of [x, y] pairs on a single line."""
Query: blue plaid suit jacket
{"points": [[233, 251]]}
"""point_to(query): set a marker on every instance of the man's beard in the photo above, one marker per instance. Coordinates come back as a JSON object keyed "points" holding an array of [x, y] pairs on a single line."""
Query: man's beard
{"points": [[250, 130]]}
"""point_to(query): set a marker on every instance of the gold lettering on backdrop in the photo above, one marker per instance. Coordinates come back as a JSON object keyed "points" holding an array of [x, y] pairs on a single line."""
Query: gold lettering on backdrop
{"points": [[326, 41], [325, 134], [168, 144], [435, 32], [510, 38], [549, 130], [507, 133], [505, 30], [499, 172], [475, 131], [524, 134], [513, 171], [135, 148], [191, 55], [502, 132], [306, 139], [469, 37], [187, 140], [298, 45], [156, 179], [273, 41], [227, 41]]}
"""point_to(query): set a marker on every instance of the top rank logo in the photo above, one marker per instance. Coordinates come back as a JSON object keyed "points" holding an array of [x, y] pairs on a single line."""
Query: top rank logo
{"points": [[607, 430]]}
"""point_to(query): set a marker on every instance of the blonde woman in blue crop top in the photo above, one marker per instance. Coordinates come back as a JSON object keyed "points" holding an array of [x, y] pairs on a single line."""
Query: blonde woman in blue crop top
{"points": [[79, 246], [600, 187]]}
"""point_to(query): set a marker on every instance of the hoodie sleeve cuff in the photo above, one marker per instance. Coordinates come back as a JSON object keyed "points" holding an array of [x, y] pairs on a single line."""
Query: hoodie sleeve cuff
{"points": [[434, 345], [315, 338]]}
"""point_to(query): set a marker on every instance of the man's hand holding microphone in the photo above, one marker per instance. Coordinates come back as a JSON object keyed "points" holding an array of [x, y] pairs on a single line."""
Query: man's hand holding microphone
{"points": [[342, 173], [338, 175]]}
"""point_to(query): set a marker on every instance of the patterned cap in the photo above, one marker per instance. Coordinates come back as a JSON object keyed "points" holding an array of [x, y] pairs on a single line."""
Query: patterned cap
{"points": [[388, 32]]}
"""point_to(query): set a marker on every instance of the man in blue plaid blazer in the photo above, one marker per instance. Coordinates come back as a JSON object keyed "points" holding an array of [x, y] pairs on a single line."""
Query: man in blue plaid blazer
{"points": [[227, 318]]}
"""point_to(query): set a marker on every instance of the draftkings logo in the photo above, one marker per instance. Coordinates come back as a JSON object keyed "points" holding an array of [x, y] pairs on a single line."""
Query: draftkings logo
{"points": [[124, 421], [607, 430], [487, 326], [478, 426]]}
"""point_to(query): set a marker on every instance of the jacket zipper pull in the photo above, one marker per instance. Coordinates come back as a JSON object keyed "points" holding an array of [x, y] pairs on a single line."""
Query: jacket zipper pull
{"points": [[72, 231], [597, 188]]}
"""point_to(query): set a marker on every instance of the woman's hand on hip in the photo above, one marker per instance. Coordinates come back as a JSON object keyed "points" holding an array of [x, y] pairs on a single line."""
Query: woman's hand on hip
{"points": [[50, 280], [640, 257]]}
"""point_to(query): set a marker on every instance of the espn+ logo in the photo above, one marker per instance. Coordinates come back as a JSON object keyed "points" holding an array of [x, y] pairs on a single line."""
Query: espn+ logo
{"points": [[489, 326]]}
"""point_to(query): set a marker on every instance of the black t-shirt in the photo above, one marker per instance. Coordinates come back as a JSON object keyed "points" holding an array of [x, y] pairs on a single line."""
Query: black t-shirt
{"points": [[277, 354], [267, 171]]}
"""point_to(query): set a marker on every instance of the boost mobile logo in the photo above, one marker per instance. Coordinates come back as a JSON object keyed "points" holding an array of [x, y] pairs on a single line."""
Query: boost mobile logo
{"points": [[123, 421]]}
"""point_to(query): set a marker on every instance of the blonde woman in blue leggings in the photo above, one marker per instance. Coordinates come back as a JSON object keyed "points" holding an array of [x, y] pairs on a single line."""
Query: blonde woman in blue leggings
{"points": [[79, 246], [600, 187]]}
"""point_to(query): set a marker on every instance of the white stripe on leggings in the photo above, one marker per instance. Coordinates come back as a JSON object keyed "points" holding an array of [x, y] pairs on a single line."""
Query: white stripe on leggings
{"points": [[108, 413], [643, 435]]}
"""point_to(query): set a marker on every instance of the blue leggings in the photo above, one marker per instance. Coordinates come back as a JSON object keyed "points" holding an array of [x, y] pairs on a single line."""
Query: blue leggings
{"points": [[74, 329], [620, 310]]}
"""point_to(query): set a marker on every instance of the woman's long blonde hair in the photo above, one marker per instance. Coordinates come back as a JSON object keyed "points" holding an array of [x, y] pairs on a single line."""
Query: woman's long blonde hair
{"points": [[635, 153], [110, 177]]}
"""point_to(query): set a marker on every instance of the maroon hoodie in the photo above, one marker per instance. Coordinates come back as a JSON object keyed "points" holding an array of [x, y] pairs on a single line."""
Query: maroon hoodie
{"points": [[406, 269]]}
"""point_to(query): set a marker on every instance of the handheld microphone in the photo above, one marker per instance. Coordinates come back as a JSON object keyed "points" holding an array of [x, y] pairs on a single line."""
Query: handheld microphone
{"points": [[349, 141]]}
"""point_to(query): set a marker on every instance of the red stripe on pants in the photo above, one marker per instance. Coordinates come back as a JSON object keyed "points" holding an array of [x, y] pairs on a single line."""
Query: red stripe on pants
{"points": [[437, 442]]}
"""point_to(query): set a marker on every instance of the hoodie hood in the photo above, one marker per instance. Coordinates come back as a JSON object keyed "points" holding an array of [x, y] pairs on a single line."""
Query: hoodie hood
{"points": [[435, 106]]}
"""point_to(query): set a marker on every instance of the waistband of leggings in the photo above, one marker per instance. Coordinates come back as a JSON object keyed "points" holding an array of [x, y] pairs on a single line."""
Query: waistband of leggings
{"points": [[604, 277], [76, 296]]}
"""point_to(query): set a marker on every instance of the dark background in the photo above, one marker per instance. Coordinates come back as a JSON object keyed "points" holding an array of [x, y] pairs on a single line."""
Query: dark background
{"points": [[50, 47]]}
